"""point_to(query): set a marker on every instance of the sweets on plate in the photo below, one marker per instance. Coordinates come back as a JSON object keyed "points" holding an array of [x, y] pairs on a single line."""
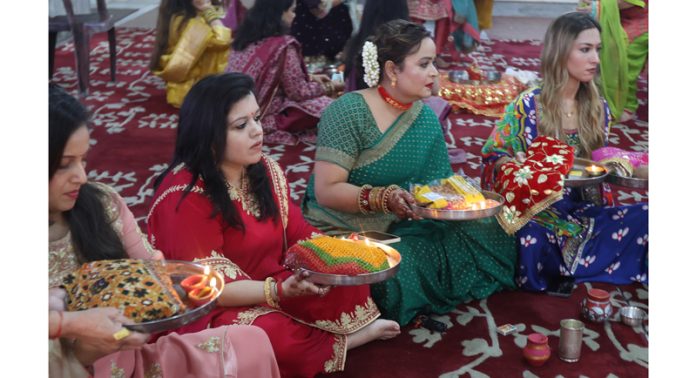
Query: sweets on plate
{"points": [[326, 254], [452, 193]]}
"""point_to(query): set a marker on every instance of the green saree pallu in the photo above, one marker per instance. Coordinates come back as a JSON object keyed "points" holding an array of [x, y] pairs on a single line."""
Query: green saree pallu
{"points": [[443, 263], [621, 60]]}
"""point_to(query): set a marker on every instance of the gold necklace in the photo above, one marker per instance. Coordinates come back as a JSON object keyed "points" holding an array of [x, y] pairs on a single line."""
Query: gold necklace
{"points": [[248, 200]]}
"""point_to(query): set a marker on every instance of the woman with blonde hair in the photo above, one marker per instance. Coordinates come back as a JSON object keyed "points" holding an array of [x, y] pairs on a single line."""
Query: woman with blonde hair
{"points": [[568, 235]]}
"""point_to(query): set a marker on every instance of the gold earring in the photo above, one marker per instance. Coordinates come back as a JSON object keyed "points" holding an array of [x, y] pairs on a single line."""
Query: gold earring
{"points": [[393, 83]]}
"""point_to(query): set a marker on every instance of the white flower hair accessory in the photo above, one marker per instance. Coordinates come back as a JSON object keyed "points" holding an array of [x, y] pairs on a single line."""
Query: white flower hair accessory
{"points": [[370, 65]]}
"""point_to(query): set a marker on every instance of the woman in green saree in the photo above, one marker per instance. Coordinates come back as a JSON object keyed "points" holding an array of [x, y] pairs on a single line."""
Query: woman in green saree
{"points": [[372, 143]]}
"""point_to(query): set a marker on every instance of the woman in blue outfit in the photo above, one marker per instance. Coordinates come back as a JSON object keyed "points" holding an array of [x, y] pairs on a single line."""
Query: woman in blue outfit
{"points": [[572, 237]]}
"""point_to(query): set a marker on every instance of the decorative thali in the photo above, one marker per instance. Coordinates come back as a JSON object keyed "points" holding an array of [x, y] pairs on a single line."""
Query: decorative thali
{"points": [[393, 258], [628, 182], [579, 175], [460, 215], [178, 271]]}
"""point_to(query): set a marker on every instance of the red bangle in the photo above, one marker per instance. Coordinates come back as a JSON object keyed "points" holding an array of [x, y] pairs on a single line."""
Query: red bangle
{"points": [[279, 289], [363, 199], [60, 325]]}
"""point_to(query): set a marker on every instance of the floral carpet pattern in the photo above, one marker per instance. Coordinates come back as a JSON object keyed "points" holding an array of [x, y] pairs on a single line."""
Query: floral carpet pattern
{"points": [[133, 139]]}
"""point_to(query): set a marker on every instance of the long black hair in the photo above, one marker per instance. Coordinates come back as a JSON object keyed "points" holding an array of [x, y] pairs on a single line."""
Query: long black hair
{"points": [[92, 233], [375, 13], [263, 20], [200, 144]]}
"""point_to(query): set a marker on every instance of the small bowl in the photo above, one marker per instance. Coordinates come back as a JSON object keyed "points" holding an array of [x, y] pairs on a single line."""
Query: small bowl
{"points": [[632, 316], [458, 76]]}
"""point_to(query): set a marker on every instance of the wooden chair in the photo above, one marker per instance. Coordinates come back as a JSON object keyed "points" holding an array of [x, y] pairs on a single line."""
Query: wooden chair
{"points": [[82, 27]]}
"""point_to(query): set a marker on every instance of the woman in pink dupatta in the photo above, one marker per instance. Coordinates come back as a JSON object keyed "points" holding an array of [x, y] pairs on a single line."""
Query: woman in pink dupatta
{"points": [[82, 343], [291, 100]]}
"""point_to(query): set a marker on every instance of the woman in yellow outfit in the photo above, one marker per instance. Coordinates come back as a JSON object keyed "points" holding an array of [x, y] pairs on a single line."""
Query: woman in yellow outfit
{"points": [[191, 43]]}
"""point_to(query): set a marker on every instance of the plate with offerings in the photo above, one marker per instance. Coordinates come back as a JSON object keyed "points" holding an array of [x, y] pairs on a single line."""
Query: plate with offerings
{"points": [[343, 261], [157, 295], [585, 172], [199, 287], [454, 198]]}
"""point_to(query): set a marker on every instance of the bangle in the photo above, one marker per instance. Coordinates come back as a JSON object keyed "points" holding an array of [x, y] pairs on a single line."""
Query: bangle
{"points": [[374, 198], [60, 325], [279, 290], [274, 291], [363, 198], [385, 198], [267, 292]]}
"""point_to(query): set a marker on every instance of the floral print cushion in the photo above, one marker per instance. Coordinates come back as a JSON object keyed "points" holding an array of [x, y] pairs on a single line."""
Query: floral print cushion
{"points": [[141, 289]]}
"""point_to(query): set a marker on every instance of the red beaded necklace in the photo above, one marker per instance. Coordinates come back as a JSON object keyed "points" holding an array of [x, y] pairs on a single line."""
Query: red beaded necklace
{"points": [[391, 101]]}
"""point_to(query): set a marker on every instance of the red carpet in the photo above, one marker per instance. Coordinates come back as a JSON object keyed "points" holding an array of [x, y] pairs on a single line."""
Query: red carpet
{"points": [[133, 139]]}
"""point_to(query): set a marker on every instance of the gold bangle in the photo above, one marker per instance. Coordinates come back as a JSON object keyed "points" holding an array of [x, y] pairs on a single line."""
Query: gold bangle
{"points": [[385, 197], [267, 292], [373, 198]]}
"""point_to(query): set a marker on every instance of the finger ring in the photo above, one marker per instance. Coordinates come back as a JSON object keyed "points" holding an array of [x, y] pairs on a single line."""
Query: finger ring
{"points": [[121, 334]]}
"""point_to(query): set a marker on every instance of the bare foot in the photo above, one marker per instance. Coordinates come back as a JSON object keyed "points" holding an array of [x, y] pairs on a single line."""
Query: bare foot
{"points": [[381, 329]]}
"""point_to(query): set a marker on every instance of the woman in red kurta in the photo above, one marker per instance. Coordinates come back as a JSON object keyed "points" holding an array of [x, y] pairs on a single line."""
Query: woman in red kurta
{"points": [[222, 201]]}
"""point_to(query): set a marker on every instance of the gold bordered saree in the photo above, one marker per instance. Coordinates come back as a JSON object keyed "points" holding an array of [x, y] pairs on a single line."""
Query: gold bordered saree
{"points": [[443, 263]]}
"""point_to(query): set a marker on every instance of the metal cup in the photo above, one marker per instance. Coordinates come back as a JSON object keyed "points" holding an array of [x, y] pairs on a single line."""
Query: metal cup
{"points": [[570, 343]]}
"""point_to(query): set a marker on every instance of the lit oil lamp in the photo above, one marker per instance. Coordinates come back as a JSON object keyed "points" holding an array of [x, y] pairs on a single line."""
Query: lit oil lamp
{"points": [[594, 170], [213, 284], [196, 281], [200, 296]]}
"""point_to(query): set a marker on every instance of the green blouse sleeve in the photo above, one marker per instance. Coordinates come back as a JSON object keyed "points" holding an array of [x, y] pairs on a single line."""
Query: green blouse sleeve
{"points": [[338, 140]]}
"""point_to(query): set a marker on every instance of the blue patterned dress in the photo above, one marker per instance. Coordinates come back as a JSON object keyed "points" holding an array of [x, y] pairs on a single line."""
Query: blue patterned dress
{"points": [[573, 237]]}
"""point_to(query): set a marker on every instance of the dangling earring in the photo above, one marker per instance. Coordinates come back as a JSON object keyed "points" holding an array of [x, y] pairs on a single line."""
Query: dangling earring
{"points": [[393, 83]]}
